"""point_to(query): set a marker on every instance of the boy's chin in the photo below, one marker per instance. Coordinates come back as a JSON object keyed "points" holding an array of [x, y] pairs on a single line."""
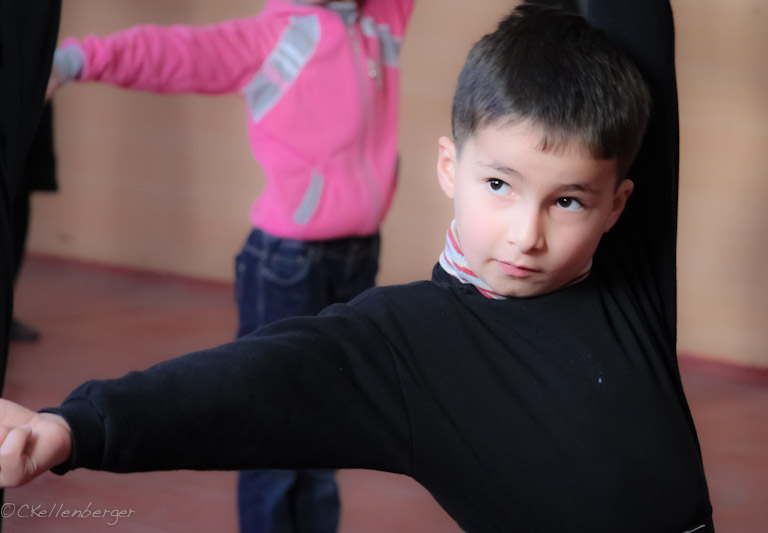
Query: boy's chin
{"points": [[525, 289], [519, 289], [525, 293]]}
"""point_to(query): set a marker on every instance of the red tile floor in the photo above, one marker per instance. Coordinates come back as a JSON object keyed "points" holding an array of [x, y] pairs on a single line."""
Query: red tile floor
{"points": [[99, 322]]}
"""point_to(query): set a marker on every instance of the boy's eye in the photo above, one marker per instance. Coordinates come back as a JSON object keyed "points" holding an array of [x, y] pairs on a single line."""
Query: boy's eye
{"points": [[569, 204], [497, 186]]}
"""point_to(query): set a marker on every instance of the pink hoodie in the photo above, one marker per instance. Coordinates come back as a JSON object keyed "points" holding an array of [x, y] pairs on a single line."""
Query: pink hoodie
{"points": [[321, 87]]}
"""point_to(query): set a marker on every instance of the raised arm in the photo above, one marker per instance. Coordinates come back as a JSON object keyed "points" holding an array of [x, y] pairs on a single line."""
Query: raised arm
{"points": [[645, 238], [575, 6], [645, 31], [641, 247], [396, 13]]}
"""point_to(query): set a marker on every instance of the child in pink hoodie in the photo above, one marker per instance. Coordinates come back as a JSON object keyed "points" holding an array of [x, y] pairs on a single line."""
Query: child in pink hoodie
{"points": [[320, 82]]}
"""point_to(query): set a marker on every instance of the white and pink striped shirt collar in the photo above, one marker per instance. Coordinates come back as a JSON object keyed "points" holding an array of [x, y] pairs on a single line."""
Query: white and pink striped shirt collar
{"points": [[453, 261]]}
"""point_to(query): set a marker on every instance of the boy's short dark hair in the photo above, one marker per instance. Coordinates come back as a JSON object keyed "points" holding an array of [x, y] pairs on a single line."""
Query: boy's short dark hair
{"points": [[551, 68]]}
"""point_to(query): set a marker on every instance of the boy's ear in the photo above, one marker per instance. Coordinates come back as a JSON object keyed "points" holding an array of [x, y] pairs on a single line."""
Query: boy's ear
{"points": [[620, 197], [446, 165]]}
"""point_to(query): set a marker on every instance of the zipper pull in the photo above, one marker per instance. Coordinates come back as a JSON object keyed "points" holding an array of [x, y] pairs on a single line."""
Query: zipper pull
{"points": [[373, 68], [374, 71]]}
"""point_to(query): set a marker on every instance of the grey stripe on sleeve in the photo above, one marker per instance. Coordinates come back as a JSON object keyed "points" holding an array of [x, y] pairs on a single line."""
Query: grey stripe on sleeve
{"points": [[390, 45], [284, 64]]}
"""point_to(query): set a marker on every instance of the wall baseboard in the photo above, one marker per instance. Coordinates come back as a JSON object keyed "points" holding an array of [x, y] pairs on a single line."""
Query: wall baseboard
{"points": [[124, 270]]}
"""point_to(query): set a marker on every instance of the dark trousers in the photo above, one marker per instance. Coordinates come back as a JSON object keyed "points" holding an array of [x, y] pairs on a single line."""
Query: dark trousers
{"points": [[38, 174], [278, 278]]}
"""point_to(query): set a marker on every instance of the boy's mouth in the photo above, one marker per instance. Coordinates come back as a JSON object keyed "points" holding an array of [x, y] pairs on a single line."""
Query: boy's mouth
{"points": [[517, 271]]}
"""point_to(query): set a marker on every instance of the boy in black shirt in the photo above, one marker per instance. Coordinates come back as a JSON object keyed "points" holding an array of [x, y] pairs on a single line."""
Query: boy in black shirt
{"points": [[532, 384]]}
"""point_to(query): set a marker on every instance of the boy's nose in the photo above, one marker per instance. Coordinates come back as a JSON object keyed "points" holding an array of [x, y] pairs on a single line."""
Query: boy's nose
{"points": [[526, 230]]}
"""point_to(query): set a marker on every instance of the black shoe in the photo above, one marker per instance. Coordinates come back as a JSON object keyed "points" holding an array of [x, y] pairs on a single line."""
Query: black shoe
{"points": [[21, 332]]}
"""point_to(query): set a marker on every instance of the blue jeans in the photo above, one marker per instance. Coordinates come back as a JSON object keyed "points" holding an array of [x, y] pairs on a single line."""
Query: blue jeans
{"points": [[277, 278]]}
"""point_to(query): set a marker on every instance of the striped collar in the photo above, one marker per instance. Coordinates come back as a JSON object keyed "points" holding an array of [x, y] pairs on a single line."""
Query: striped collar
{"points": [[454, 263]]}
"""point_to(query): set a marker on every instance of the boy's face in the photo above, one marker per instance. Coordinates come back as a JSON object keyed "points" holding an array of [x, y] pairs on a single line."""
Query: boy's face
{"points": [[528, 221]]}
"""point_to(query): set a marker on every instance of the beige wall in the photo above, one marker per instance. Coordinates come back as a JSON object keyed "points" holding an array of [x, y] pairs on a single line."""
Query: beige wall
{"points": [[723, 250], [164, 183]]}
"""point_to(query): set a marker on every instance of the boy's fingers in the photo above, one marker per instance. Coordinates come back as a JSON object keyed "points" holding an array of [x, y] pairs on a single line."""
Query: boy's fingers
{"points": [[13, 461]]}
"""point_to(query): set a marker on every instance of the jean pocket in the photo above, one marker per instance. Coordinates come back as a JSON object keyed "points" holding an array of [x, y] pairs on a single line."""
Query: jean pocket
{"points": [[286, 269]]}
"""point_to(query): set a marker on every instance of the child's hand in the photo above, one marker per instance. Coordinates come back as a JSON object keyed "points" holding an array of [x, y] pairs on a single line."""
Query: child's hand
{"points": [[30, 443], [54, 82]]}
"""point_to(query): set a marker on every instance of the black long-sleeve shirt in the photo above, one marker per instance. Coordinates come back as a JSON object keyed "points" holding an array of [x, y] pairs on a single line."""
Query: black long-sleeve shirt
{"points": [[561, 412]]}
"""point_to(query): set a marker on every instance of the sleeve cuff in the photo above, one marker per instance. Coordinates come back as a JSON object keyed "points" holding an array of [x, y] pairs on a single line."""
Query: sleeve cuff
{"points": [[68, 62], [87, 429]]}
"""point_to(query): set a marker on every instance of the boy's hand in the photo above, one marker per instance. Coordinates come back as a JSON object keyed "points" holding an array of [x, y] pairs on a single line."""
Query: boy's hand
{"points": [[30, 443]]}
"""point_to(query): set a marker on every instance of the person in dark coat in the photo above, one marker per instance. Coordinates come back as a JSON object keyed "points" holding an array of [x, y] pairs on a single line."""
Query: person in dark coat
{"points": [[28, 33]]}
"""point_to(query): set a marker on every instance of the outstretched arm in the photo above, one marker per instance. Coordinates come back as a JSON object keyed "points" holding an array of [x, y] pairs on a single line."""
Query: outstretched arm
{"points": [[30, 443], [319, 392], [213, 59]]}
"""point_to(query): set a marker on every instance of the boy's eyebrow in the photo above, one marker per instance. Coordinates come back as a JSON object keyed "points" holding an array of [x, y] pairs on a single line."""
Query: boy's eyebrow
{"points": [[577, 187], [503, 169]]}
